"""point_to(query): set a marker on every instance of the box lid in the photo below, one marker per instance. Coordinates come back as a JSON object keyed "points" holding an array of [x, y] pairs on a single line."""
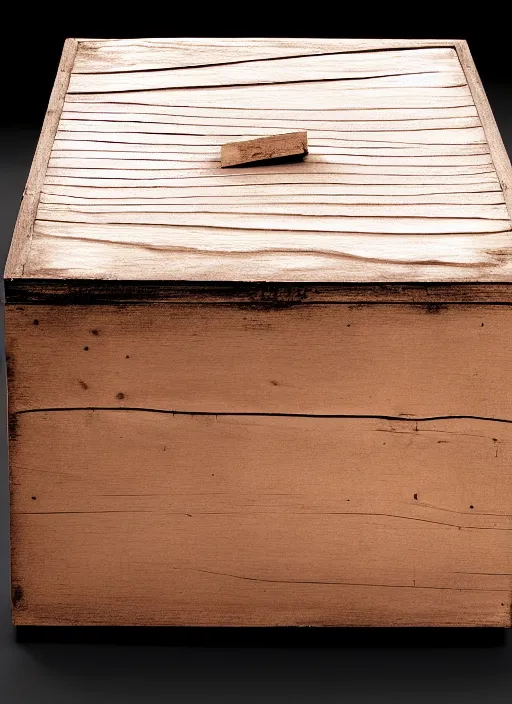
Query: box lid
{"points": [[406, 182]]}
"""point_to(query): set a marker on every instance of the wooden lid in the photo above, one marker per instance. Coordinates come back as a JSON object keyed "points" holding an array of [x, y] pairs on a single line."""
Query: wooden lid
{"points": [[405, 181]]}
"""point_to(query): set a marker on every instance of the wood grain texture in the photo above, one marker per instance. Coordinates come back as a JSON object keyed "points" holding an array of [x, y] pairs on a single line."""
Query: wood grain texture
{"points": [[422, 360], [497, 148], [258, 521], [405, 181], [108, 55], [289, 144], [253, 481], [266, 295], [22, 236]]}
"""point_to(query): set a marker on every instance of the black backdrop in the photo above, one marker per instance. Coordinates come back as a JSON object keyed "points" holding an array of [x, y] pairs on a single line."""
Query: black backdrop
{"points": [[33, 37]]}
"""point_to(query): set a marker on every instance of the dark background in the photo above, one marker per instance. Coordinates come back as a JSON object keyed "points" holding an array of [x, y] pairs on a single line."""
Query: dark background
{"points": [[305, 667]]}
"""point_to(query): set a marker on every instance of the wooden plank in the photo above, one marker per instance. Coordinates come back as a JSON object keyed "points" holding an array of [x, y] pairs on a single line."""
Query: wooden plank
{"points": [[331, 95], [197, 188], [147, 206], [449, 141], [264, 149], [451, 189], [260, 520], [20, 245], [205, 168], [204, 115], [263, 175], [499, 153], [245, 223], [105, 55], [84, 116], [375, 68], [435, 360], [78, 292], [365, 259], [479, 205], [182, 158]]}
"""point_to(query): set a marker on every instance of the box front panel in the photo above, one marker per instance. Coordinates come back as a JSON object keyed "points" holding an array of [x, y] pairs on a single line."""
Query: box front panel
{"points": [[237, 464]]}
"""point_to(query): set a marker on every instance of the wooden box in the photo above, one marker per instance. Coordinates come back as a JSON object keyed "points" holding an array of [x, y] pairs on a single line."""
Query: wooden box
{"points": [[271, 395]]}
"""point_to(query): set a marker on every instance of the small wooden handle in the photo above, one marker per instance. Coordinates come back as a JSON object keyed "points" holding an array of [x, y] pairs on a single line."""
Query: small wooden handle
{"points": [[278, 146]]}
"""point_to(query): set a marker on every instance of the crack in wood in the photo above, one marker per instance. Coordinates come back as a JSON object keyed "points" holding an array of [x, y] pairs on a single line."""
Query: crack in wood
{"points": [[374, 416], [213, 86], [337, 583], [367, 514]]}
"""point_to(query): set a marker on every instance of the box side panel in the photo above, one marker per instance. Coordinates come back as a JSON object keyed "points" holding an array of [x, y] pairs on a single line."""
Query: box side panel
{"points": [[213, 503]]}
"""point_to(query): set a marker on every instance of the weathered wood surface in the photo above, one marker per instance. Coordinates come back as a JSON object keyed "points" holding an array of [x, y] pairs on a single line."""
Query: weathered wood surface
{"points": [[260, 521], [406, 179], [24, 228], [424, 361], [270, 295], [323, 464]]}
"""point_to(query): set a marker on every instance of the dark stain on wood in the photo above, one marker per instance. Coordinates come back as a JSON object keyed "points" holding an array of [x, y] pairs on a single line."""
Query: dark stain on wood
{"points": [[435, 308], [268, 305], [83, 385], [10, 367], [13, 427], [96, 292], [17, 596]]}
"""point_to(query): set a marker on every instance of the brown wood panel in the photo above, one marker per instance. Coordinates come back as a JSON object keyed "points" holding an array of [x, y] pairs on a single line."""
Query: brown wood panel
{"points": [[127, 517], [395, 360]]}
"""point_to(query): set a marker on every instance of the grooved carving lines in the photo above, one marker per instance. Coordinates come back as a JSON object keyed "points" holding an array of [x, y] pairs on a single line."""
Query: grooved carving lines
{"points": [[399, 184]]}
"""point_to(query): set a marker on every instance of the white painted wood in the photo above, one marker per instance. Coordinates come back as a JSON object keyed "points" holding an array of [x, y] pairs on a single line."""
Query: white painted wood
{"points": [[105, 55], [374, 68]]}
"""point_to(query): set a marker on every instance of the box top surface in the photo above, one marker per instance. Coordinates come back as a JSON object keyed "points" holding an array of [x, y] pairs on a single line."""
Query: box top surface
{"points": [[406, 178]]}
